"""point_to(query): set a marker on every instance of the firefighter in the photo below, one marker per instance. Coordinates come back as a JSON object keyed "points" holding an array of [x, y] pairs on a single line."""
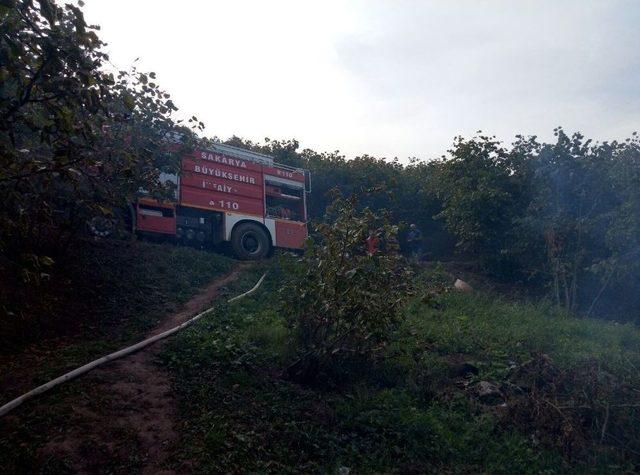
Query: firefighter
{"points": [[285, 212], [372, 243], [414, 242]]}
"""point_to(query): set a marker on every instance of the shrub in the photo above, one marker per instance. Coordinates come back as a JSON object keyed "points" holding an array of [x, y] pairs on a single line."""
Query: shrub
{"points": [[344, 296]]}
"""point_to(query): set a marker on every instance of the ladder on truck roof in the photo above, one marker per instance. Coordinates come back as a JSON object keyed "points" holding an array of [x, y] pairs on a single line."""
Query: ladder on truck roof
{"points": [[245, 154], [261, 158], [242, 153]]}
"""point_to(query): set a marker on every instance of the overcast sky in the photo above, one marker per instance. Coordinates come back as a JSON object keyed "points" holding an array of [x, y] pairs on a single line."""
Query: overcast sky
{"points": [[388, 78]]}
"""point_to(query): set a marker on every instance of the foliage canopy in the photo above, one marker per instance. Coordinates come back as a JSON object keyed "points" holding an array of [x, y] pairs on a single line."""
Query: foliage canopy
{"points": [[76, 139]]}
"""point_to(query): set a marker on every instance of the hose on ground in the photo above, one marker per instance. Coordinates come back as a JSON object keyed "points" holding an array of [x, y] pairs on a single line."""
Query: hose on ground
{"points": [[116, 355]]}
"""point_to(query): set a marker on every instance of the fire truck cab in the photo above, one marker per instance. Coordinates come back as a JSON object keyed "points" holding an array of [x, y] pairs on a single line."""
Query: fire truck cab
{"points": [[226, 193]]}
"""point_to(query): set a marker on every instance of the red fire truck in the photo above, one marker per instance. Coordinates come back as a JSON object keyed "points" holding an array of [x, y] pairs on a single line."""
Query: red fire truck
{"points": [[226, 193]]}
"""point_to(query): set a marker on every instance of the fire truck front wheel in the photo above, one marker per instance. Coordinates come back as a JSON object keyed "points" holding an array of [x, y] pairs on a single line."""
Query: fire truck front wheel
{"points": [[250, 242]]}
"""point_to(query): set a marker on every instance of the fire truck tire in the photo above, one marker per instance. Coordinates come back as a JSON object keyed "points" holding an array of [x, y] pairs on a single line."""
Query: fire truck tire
{"points": [[101, 226], [250, 242]]}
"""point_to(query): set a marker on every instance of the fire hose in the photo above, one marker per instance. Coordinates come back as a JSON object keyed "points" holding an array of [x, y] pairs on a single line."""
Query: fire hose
{"points": [[116, 355]]}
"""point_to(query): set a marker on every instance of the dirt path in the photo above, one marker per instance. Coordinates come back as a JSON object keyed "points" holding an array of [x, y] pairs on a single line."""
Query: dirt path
{"points": [[126, 418]]}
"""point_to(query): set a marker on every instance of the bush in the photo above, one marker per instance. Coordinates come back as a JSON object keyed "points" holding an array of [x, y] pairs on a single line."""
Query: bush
{"points": [[344, 297]]}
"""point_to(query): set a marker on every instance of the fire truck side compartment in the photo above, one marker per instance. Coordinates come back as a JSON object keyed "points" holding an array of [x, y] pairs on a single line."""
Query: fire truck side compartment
{"points": [[198, 225], [156, 218]]}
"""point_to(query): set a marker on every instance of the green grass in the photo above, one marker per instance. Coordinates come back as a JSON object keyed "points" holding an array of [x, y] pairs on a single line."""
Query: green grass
{"points": [[489, 328], [406, 413], [109, 294]]}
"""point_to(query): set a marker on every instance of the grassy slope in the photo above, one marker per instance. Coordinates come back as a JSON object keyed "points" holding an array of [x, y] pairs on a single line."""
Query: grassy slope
{"points": [[110, 293], [114, 293], [409, 413]]}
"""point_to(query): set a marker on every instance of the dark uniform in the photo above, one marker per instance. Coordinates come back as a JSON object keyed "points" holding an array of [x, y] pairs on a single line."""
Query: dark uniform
{"points": [[414, 241]]}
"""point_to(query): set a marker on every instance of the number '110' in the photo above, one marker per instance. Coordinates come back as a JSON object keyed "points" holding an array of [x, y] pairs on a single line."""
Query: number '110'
{"points": [[229, 204]]}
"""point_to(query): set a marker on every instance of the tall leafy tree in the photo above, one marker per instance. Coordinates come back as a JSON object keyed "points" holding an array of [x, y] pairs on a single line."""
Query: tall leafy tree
{"points": [[76, 137], [482, 190], [563, 215], [585, 202]]}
